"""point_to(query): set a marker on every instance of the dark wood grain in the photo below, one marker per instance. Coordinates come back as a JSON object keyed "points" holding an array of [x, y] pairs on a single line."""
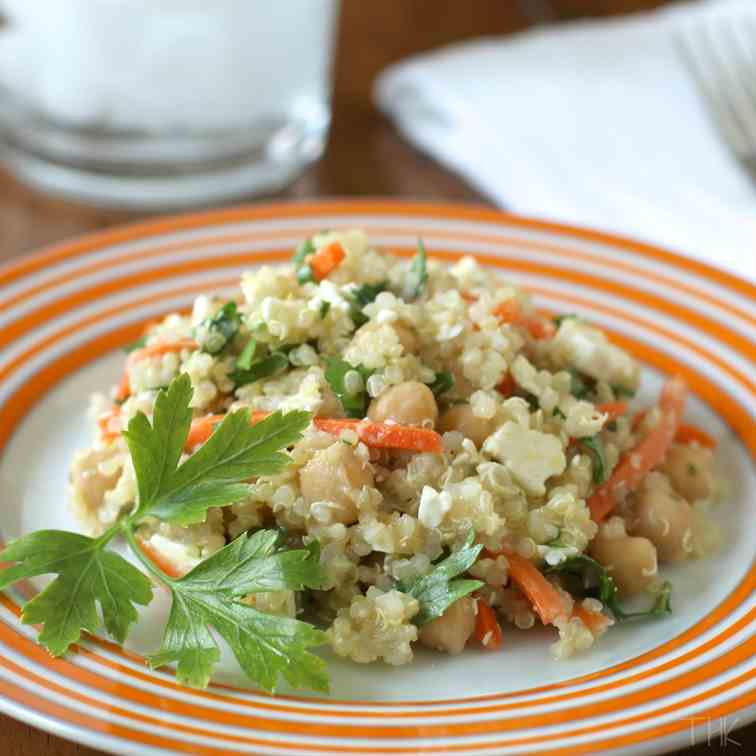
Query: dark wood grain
{"points": [[364, 157]]}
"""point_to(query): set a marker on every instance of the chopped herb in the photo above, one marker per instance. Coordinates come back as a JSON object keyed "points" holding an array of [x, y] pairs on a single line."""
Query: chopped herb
{"points": [[325, 306], [244, 360], [622, 391], [556, 412], [355, 403], [559, 319], [442, 383], [581, 385], [265, 367], [302, 268], [594, 446], [438, 590], [361, 297], [138, 344], [611, 426], [532, 400], [215, 333], [585, 577], [417, 275]]}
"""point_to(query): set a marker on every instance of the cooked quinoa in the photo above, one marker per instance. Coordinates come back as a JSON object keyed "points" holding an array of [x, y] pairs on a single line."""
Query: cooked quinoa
{"points": [[531, 417]]}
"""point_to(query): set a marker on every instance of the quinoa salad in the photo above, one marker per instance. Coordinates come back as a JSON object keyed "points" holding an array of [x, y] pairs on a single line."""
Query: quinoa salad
{"points": [[469, 466]]}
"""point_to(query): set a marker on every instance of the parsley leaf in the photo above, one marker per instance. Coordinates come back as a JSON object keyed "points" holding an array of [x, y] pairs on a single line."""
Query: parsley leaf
{"points": [[360, 298], [417, 275], [215, 333], [581, 385], [244, 360], [355, 404], [622, 391], [442, 383], [301, 266], [265, 367], [594, 446], [584, 576], [559, 319], [213, 476], [87, 575], [437, 590], [265, 646]]}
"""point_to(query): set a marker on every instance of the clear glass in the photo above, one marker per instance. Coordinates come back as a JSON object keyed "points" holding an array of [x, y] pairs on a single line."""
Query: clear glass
{"points": [[157, 103]]}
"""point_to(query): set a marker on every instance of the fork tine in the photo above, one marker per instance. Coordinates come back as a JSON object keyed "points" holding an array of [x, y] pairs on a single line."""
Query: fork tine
{"points": [[725, 48], [697, 54]]}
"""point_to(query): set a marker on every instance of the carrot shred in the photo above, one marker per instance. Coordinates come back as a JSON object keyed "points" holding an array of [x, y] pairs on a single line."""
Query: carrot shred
{"points": [[638, 462], [511, 312], [487, 628], [689, 434], [154, 556], [155, 350], [326, 259], [507, 386], [385, 435], [613, 409], [110, 423], [124, 388], [546, 600], [596, 622]]}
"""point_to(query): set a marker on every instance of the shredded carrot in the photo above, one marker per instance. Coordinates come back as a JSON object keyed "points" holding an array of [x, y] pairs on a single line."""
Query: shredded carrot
{"points": [[326, 259], [124, 388], [110, 423], [596, 622], [688, 434], [507, 386], [386, 435], [468, 296], [613, 409], [544, 597], [638, 462], [511, 312], [157, 349], [639, 418], [155, 556], [487, 628]]}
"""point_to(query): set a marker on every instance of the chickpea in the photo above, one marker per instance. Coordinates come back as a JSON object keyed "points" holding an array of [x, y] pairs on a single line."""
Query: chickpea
{"points": [[689, 468], [407, 337], [331, 475], [461, 418], [630, 560], [665, 518], [408, 403], [451, 630]]}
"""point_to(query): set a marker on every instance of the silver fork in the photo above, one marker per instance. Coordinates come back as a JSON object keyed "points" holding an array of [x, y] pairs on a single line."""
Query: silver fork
{"points": [[723, 66]]}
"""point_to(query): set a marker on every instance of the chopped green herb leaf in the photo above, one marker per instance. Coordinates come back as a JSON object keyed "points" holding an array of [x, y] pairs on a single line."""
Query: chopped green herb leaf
{"points": [[302, 268], [138, 344], [623, 391], [594, 446], [585, 577], [215, 333], [361, 297], [266, 646], [245, 359], [355, 403], [265, 367], [556, 412], [442, 383], [417, 275], [581, 385], [532, 400], [325, 306], [559, 319], [438, 590], [87, 575]]}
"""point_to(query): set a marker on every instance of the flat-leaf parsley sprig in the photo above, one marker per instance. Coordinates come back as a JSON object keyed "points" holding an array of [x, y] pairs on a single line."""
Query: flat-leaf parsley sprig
{"points": [[95, 585]]}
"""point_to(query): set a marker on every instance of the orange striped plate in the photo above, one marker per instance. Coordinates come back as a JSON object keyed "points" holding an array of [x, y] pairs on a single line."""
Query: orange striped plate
{"points": [[645, 688]]}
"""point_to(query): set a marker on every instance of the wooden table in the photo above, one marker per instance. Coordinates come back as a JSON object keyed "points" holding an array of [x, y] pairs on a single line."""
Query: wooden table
{"points": [[364, 157]]}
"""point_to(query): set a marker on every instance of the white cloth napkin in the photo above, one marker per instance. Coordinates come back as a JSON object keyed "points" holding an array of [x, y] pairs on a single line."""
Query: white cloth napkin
{"points": [[597, 123]]}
